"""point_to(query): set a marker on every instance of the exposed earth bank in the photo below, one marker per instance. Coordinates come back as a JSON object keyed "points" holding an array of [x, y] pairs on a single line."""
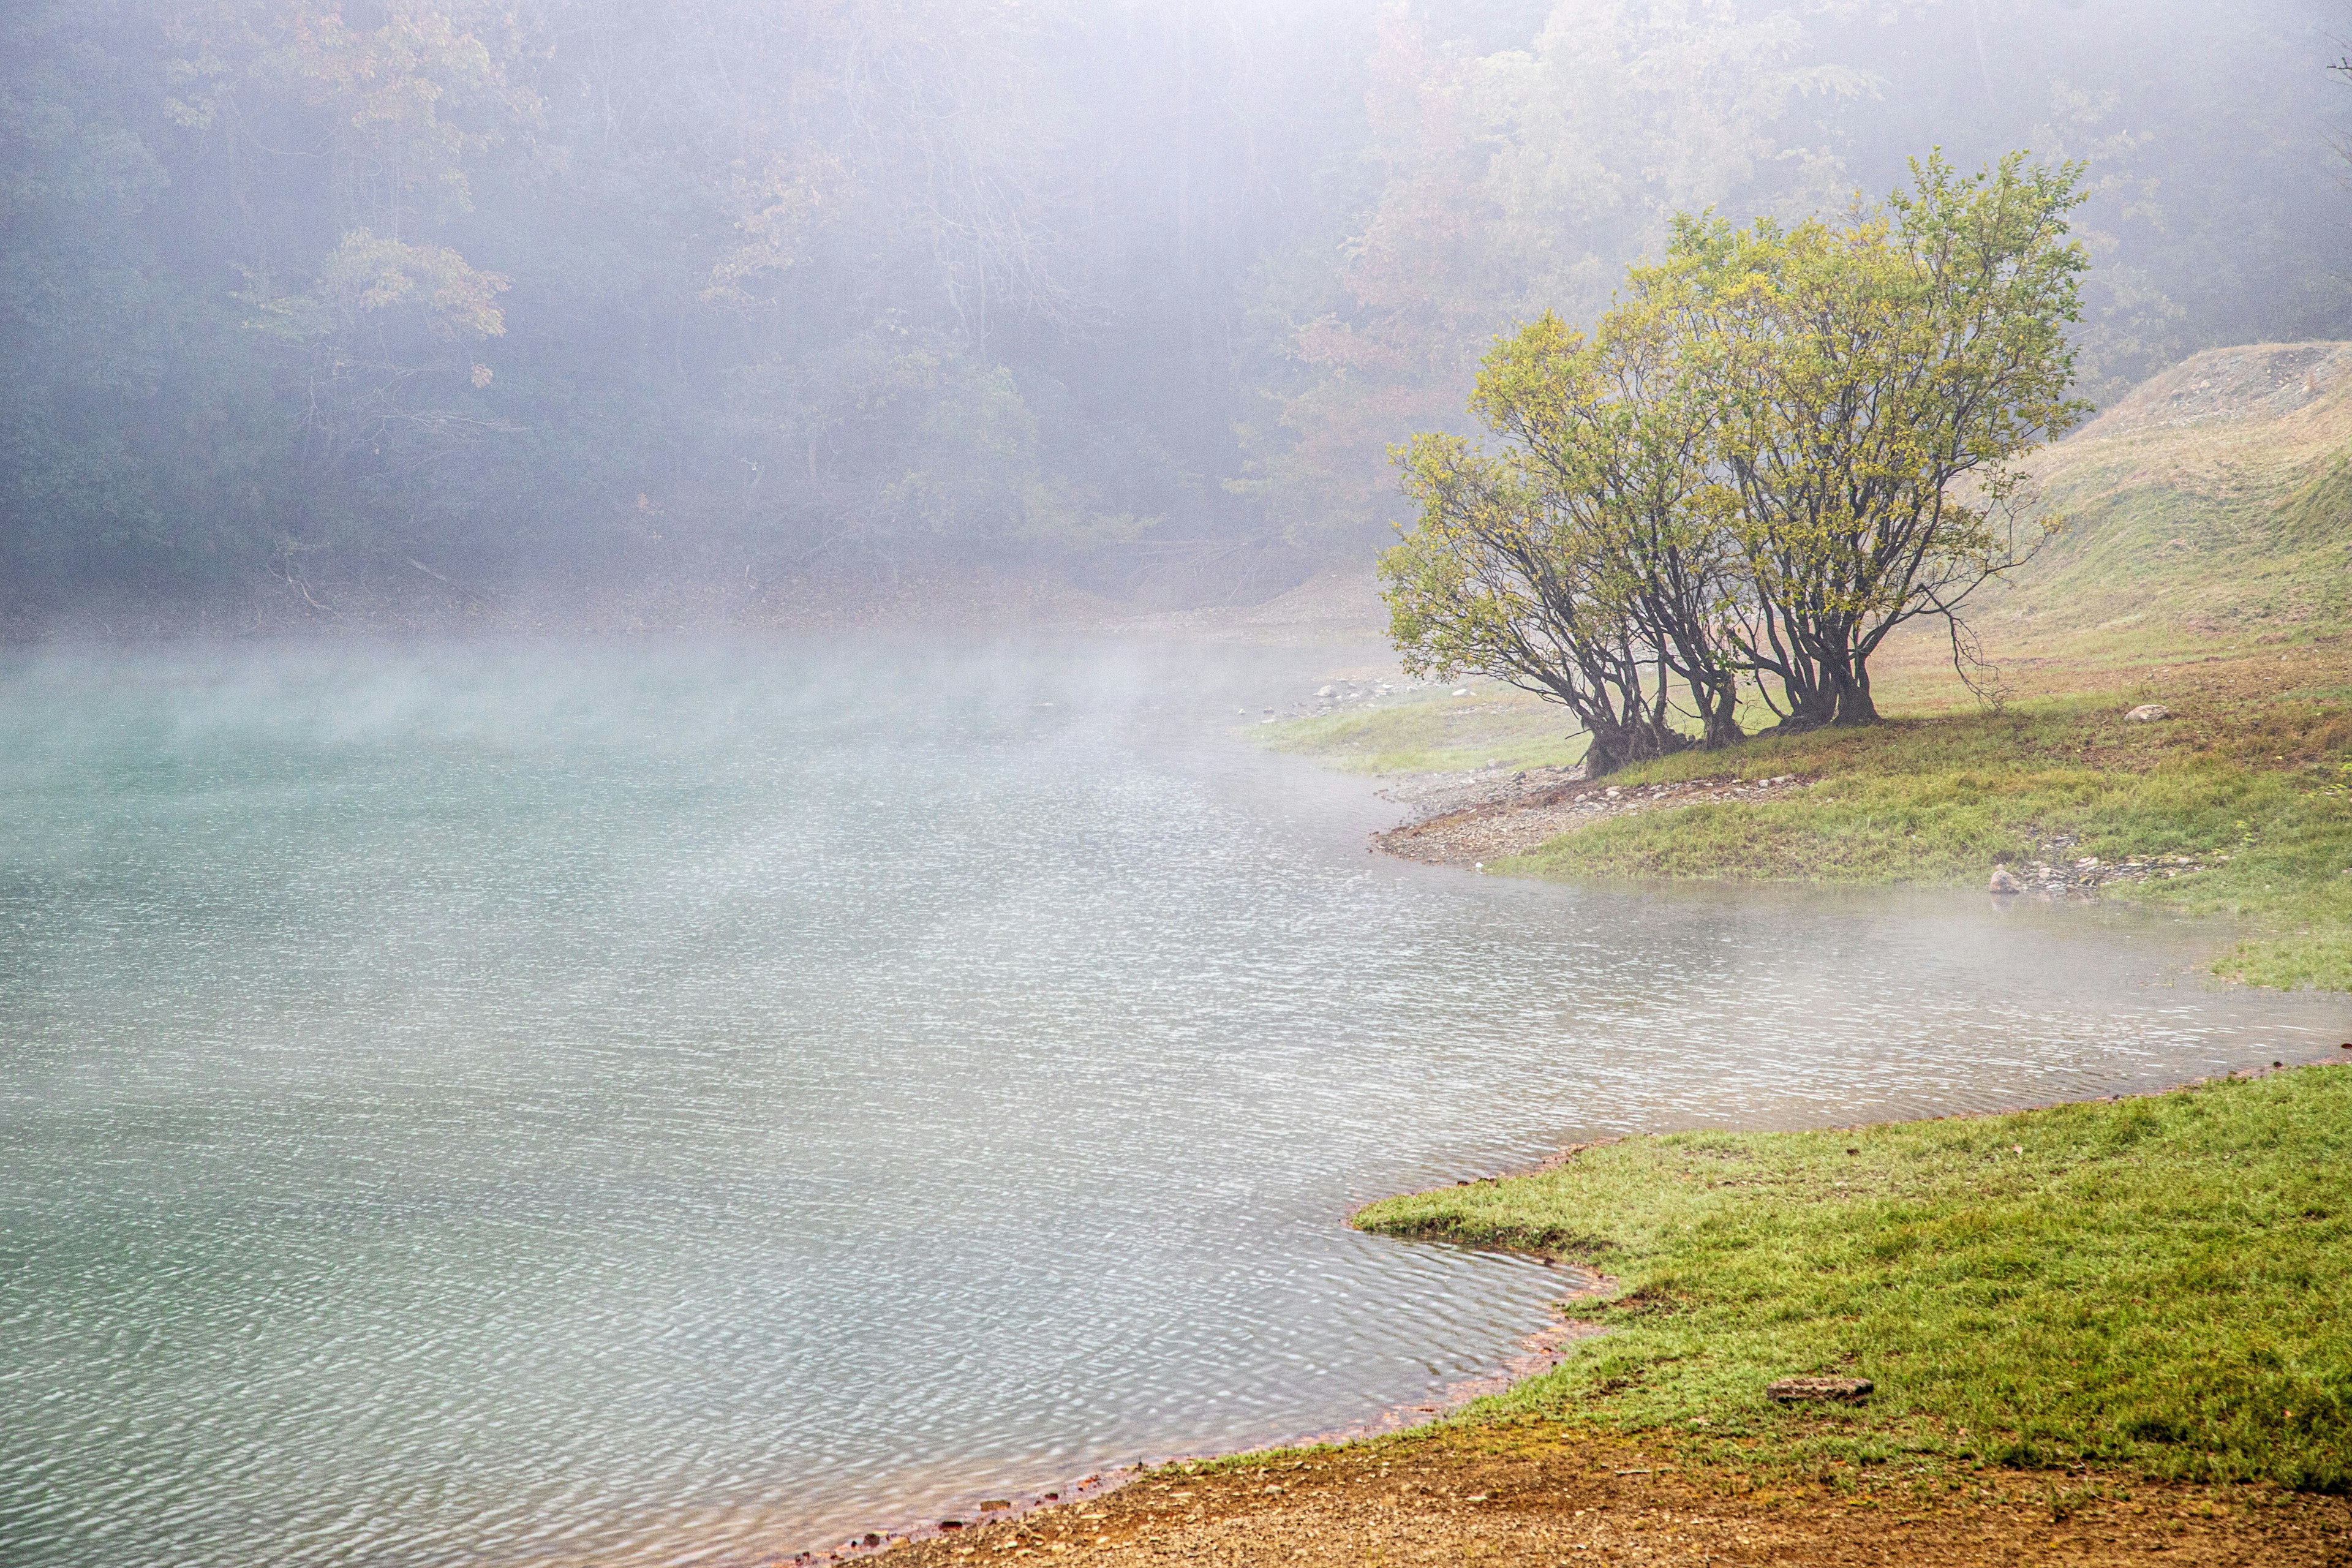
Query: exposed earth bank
{"points": [[1469, 819], [1525, 1495]]}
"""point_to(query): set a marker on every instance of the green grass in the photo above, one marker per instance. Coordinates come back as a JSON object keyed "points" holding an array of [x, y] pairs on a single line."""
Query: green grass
{"points": [[2253, 776], [2156, 1284], [1938, 801]]}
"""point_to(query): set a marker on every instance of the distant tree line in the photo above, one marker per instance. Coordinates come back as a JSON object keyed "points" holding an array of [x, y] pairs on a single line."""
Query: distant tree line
{"points": [[498, 290], [1784, 444], [502, 286]]}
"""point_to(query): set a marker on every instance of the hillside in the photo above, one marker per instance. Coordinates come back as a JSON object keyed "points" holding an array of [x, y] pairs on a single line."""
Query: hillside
{"points": [[2209, 509], [2202, 568]]}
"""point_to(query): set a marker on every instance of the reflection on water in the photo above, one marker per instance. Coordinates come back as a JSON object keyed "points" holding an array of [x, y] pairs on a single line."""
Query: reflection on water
{"points": [[490, 1104]]}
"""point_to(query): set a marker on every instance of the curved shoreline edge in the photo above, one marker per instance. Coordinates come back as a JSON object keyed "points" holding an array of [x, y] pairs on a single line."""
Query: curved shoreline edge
{"points": [[2065, 1135], [1534, 1353], [1515, 818], [2228, 794]]}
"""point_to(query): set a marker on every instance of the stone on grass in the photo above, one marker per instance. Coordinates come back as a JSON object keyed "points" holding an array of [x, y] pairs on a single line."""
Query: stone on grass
{"points": [[1800, 1390], [2148, 713]]}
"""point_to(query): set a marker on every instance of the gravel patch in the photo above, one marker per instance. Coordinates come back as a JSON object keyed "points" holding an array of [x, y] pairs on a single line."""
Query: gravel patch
{"points": [[1467, 819]]}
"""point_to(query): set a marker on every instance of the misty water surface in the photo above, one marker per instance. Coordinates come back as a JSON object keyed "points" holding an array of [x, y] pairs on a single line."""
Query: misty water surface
{"points": [[484, 1104]]}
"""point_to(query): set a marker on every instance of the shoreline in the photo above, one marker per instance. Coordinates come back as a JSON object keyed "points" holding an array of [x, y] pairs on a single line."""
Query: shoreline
{"points": [[1500, 819], [1468, 819], [1536, 1354], [2210, 787], [1728, 1500], [1456, 819], [1101, 1487]]}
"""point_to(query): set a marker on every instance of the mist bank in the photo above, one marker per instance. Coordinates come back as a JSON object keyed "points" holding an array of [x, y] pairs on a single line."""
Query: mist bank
{"points": [[401, 596], [384, 312]]}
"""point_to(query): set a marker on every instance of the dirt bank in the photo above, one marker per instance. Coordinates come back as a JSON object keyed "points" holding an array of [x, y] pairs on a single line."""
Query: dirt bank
{"points": [[1536, 1495], [1464, 820]]}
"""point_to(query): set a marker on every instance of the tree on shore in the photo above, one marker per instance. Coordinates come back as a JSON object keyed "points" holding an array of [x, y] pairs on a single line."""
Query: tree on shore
{"points": [[1609, 435], [1872, 389], [1498, 581], [1786, 442]]}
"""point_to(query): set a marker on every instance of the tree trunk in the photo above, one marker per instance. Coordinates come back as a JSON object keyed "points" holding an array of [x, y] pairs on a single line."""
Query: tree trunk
{"points": [[1616, 746], [1854, 704], [1606, 750], [1722, 720], [1716, 695], [1816, 709], [1658, 739]]}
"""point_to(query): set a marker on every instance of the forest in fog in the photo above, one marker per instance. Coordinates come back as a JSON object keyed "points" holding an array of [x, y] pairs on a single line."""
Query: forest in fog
{"points": [[528, 290]]}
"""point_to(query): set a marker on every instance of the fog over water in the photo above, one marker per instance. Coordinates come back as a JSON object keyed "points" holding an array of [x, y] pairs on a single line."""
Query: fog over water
{"points": [[659, 1102], [682, 1100]]}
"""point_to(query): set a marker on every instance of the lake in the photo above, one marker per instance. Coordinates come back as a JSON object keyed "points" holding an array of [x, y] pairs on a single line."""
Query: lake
{"points": [[639, 1101]]}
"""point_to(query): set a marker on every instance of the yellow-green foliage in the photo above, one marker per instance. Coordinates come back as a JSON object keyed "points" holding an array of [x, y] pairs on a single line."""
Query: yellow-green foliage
{"points": [[2156, 1283], [1787, 442]]}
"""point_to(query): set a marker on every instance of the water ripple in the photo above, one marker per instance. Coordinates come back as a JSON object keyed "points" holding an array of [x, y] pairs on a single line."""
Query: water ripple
{"points": [[504, 1103]]}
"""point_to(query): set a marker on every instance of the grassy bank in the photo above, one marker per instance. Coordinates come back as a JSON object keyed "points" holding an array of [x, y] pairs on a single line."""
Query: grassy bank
{"points": [[2250, 778], [2150, 1285], [2097, 1332]]}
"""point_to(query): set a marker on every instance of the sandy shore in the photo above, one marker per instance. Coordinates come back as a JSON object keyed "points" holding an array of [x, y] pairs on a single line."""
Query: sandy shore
{"points": [[1537, 1495]]}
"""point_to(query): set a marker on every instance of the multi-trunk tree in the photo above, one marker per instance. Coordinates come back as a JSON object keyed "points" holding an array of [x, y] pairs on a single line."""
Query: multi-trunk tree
{"points": [[1497, 580], [1785, 444]]}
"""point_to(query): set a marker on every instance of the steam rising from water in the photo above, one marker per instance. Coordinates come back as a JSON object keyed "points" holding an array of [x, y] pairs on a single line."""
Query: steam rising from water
{"points": [[487, 1103]]}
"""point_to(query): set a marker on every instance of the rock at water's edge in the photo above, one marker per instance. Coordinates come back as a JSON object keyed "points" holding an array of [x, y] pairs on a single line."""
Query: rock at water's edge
{"points": [[2002, 882]]}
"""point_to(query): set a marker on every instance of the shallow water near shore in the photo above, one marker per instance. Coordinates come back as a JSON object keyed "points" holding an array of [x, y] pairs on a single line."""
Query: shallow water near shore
{"points": [[682, 1102]]}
